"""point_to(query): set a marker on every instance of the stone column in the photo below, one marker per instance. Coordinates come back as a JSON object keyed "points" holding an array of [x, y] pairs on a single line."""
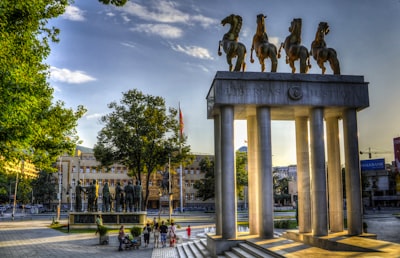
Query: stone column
{"points": [[318, 174], [218, 176], [265, 165], [228, 189], [253, 175], [335, 186], [353, 176], [303, 175]]}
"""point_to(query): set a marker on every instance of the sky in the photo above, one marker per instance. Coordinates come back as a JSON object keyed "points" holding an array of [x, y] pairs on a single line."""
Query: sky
{"points": [[170, 49]]}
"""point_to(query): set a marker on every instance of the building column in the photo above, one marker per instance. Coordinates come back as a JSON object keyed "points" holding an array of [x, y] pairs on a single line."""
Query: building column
{"points": [[318, 174], [335, 186], [265, 165], [353, 175], [217, 173], [303, 175], [253, 175], [228, 184]]}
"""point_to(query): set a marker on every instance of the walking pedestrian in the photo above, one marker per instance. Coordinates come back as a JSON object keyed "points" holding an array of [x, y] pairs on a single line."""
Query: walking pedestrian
{"points": [[188, 231], [156, 230], [163, 233], [99, 223], [121, 236], [172, 235], [146, 234]]}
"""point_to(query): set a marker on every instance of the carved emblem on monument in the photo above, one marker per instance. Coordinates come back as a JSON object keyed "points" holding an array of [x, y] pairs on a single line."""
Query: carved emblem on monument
{"points": [[295, 93]]}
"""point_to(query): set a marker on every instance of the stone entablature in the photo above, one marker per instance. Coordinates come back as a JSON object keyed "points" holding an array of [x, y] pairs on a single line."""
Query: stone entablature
{"points": [[287, 94]]}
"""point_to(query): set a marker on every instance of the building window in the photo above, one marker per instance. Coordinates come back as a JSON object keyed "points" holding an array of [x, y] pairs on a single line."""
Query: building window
{"points": [[186, 184], [88, 170], [192, 196], [186, 196]]}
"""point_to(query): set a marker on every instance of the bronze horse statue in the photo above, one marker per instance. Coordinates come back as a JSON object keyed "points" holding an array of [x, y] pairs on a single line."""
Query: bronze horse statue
{"points": [[294, 50], [230, 44], [262, 47], [321, 53]]}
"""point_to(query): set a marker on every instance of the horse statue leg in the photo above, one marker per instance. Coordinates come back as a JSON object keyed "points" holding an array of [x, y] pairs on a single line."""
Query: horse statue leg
{"points": [[304, 58], [333, 61], [273, 57], [241, 55], [291, 63]]}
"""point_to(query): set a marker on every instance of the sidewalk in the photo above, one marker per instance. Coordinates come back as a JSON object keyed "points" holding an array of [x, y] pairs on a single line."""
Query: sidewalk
{"points": [[35, 239]]}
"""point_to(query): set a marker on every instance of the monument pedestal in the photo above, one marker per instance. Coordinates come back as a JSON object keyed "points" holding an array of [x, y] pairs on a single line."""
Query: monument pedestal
{"points": [[110, 219]]}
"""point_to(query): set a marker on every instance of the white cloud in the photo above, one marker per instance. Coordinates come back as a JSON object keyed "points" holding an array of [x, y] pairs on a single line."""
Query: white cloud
{"points": [[93, 116], [166, 12], [163, 30], [65, 75], [128, 44], [193, 51], [163, 11], [73, 13], [110, 14]]}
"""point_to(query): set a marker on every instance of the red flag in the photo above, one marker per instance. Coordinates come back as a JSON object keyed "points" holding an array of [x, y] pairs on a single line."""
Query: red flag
{"points": [[180, 123]]}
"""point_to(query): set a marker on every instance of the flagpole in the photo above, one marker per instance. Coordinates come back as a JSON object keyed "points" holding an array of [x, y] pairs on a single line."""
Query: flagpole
{"points": [[180, 151]]}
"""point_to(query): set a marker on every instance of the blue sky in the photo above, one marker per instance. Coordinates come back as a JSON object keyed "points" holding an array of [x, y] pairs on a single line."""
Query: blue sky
{"points": [[169, 49]]}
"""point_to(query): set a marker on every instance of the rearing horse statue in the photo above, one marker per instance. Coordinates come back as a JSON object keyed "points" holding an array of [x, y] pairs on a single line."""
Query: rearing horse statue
{"points": [[230, 44], [262, 47], [294, 50], [321, 53]]}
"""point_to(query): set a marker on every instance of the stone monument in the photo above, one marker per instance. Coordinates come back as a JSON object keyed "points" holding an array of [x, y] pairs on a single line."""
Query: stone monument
{"points": [[309, 100]]}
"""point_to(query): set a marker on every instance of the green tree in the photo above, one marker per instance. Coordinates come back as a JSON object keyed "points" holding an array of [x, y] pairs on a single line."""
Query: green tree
{"points": [[44, 188], [142, 135], [241, 173], [32, 126], [206, 186]]}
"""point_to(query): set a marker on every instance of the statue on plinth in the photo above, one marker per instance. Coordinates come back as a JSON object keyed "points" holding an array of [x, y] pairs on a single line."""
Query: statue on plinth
{"points": [[293, 48], [78, 196], [119, 197], [321, 53], [137, 197], [106, 198], [129, 195], [262, 47], [93, 194], [230, 44]]}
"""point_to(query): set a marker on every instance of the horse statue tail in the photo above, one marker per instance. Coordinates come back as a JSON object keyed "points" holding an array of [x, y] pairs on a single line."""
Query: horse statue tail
{"points": [[219, 48], [279, 51]]}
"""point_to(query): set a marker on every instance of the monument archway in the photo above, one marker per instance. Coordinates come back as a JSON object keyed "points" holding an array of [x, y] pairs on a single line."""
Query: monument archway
{"points": [[313, 102]]}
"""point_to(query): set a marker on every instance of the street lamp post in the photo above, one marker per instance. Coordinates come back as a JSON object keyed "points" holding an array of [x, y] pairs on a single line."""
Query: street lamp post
{"points": [[169, 188], [59, 190], [16, 187]]}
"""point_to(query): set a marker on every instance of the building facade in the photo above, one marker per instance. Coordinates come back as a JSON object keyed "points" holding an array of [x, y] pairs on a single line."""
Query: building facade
{"points": [[85, 168]]}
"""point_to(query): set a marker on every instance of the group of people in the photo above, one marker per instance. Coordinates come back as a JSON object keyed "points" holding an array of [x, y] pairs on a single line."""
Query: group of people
{"points": [[160, 231], [127, 198]]}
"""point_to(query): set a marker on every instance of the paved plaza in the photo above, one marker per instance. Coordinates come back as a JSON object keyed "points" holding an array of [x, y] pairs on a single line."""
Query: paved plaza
{"points": [[33, 238]]}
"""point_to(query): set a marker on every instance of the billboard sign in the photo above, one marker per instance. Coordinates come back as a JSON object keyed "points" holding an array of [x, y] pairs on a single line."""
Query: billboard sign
{"points": [[372, 164], [396, 145]]}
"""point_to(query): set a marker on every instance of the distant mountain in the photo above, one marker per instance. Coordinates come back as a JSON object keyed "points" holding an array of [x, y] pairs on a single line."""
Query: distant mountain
{"points": [[84, 149], [243, 149]]}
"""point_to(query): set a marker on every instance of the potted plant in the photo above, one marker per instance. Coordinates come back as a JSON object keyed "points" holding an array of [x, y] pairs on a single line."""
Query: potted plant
{"points": [[136, 232], [103, 231]]}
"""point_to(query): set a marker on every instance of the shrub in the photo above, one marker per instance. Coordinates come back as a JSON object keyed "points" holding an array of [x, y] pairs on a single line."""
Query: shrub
{"points": [[103, 230], [136, 231]]}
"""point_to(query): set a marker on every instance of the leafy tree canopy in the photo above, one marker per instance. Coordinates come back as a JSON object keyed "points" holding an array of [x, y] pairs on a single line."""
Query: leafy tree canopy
{"points": [[32, 127], [141, 134]]}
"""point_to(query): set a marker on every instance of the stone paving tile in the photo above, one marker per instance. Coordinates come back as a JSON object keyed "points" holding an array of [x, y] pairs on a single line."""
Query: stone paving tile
{"points": [[35, 239]]}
